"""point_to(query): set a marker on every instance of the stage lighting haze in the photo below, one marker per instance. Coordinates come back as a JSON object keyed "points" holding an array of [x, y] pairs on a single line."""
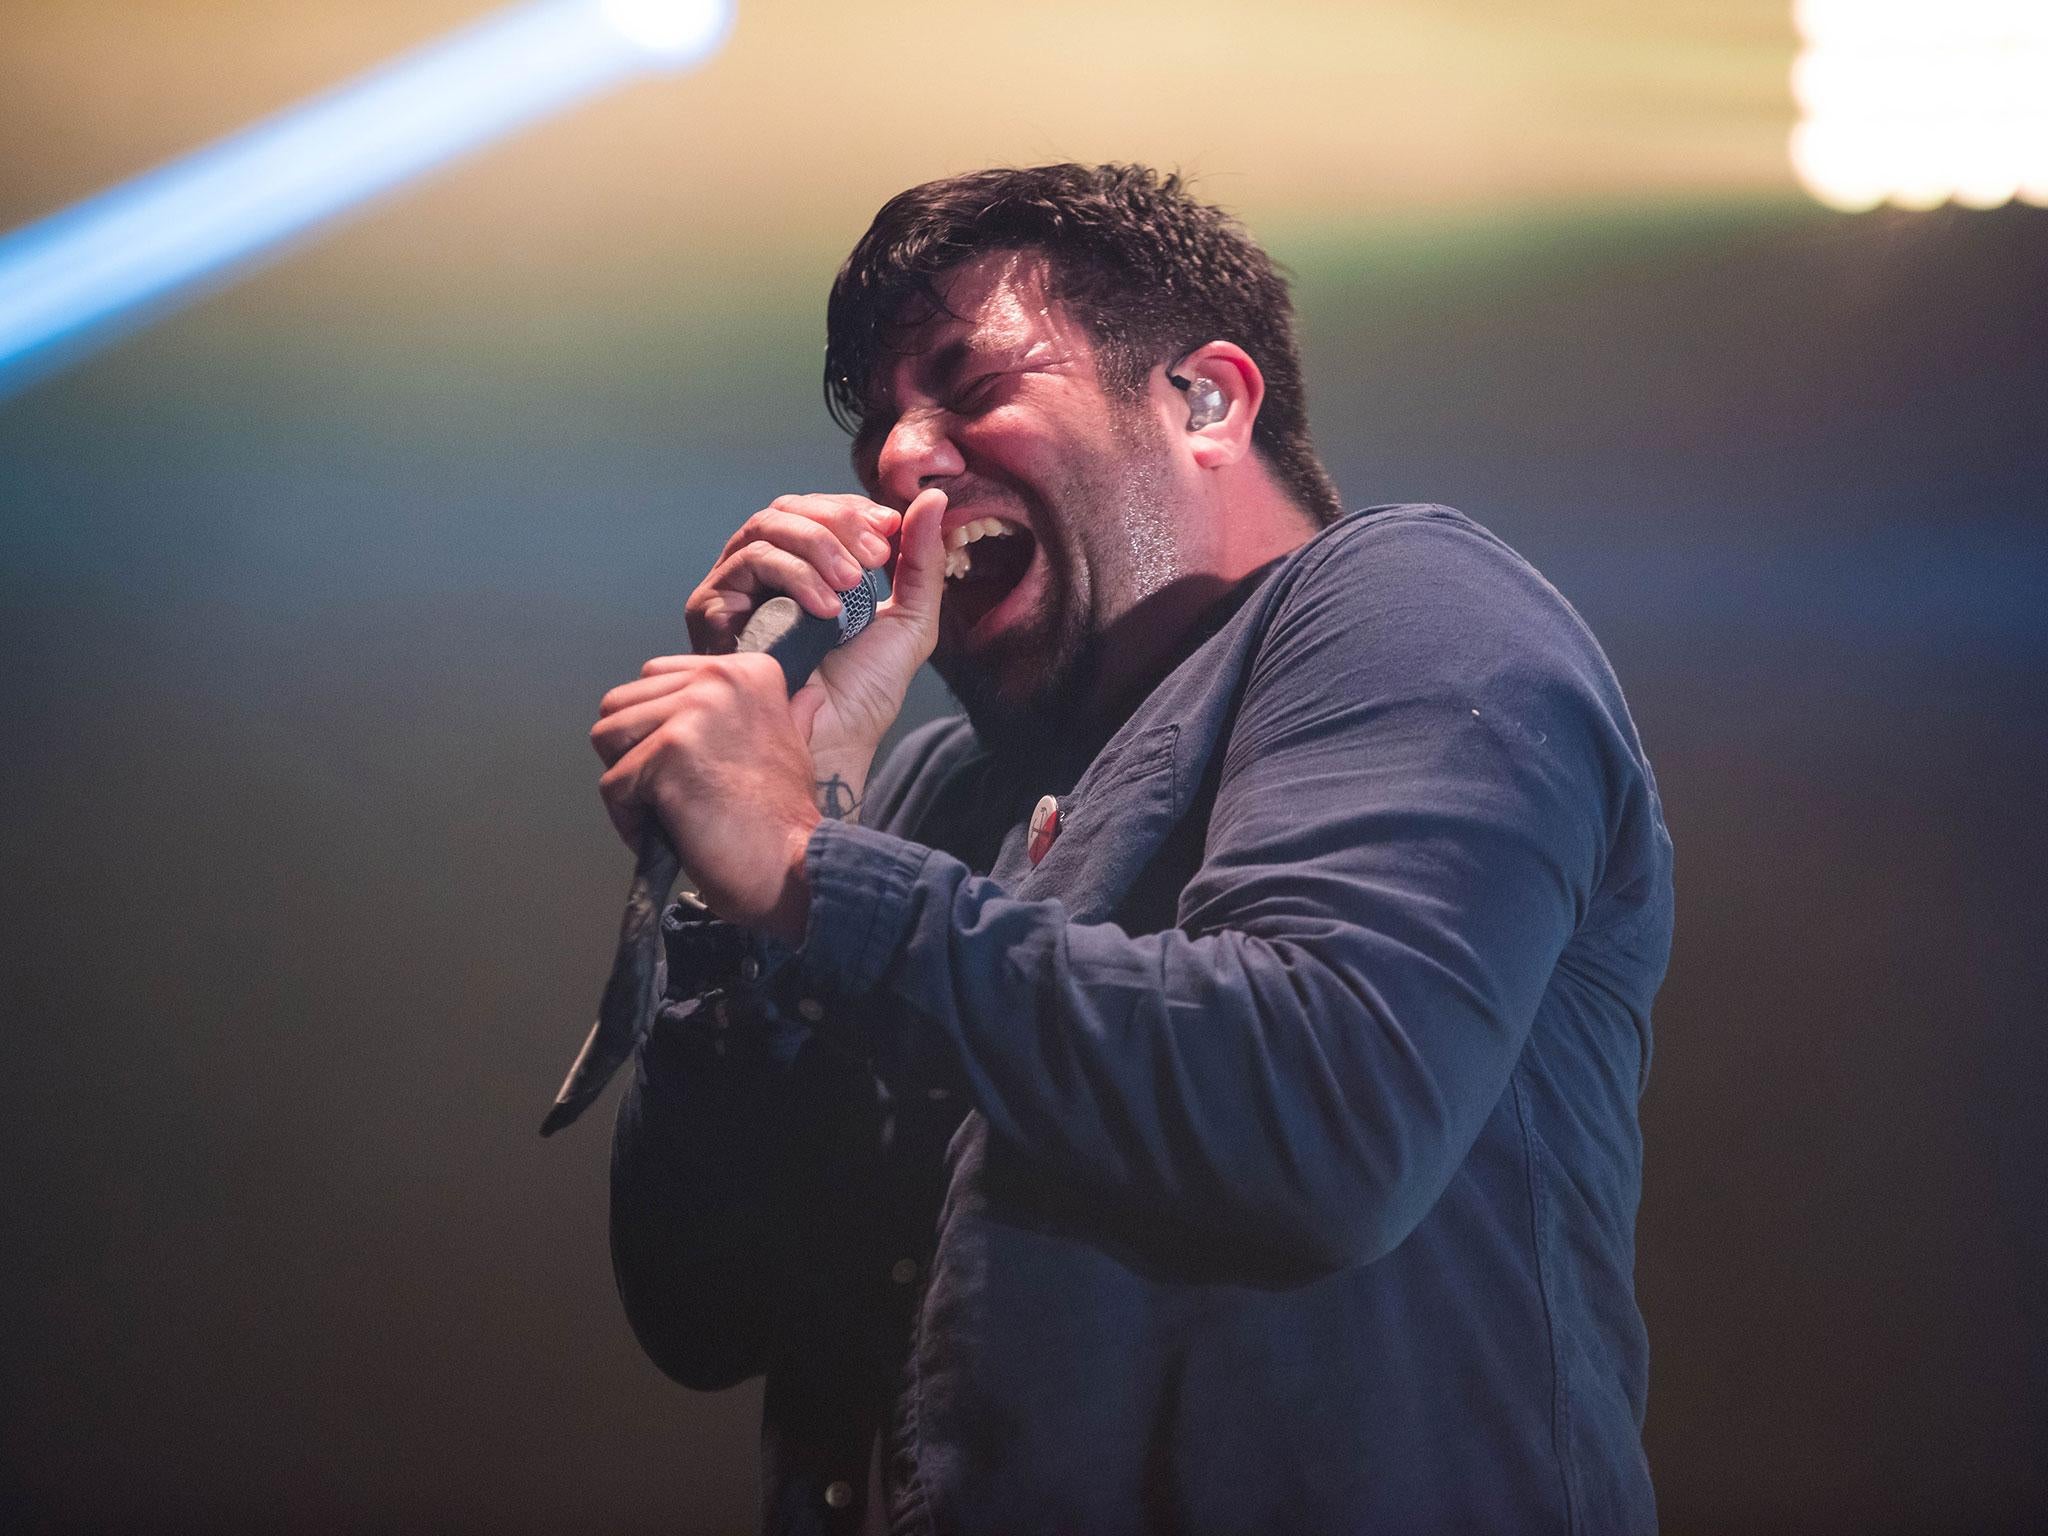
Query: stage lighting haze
{"points": [[1922, 102], [178, 230], [679, 28]]}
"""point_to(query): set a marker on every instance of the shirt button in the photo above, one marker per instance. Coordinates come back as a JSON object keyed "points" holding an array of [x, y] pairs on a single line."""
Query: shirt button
{"points": [[810, 1008], [839, 1495], [903, 1271], [750, 969]]}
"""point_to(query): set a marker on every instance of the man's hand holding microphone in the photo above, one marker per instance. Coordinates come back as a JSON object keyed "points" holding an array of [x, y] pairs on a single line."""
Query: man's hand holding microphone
{"points": [[713, 746]]}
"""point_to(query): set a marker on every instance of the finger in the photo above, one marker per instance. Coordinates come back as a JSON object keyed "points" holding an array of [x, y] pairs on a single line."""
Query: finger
{"points": [[648, 685], [628, 815], [919, 583], [762, 571], [627, 821], [828, 506], [804, 705], [839, 541], [628, 786], [883, 520], [617, 733], [714, 620], [726, 598], [864, 527]]}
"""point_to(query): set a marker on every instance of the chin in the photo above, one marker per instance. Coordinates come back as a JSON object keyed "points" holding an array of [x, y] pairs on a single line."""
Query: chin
{"points": [[1018, 689]]}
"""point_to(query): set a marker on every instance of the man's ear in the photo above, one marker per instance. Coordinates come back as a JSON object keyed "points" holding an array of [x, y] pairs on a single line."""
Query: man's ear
{"points": [[1222, 393]]}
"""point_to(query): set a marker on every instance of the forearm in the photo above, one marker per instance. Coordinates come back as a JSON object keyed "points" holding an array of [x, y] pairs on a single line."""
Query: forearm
{"points": [[1306, 1097]]}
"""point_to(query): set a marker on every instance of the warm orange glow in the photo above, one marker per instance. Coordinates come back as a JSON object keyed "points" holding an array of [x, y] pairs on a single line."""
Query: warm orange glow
{"points": [[1302, 115]]}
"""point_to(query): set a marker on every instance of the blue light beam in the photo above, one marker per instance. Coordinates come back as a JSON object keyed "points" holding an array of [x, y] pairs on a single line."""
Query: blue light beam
{"points": [[82, 276]]}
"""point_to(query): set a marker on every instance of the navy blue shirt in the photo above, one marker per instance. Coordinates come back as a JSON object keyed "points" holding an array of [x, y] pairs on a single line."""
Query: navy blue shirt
{"points": [[1263, 1159]]}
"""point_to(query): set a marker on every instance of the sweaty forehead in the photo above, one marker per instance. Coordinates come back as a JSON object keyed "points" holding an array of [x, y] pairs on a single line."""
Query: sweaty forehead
{"points": [[1000, 302]]}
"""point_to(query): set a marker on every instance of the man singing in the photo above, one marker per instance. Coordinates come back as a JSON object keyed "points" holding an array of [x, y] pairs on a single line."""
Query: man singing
{"points": [[1196, 1091]]}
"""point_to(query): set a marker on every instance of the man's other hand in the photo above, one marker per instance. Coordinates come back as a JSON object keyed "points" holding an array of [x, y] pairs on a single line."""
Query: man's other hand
{"points": [[812, 548], [711, 749]]}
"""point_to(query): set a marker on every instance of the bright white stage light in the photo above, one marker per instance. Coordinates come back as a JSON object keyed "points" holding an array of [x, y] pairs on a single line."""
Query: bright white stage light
{"points": [[687, 29], [70, 279], [1919, 102]]}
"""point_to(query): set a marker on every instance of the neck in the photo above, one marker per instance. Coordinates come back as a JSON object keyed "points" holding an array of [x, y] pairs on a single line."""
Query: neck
{"points": [[1242, 523]]}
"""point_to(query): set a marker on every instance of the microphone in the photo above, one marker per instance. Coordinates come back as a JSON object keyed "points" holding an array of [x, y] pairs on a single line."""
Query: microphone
{"points": [[798, 640]]}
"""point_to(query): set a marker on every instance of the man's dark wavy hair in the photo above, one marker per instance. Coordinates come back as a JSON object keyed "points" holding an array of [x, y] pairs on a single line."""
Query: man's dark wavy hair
{"points": [[1147, 270]]}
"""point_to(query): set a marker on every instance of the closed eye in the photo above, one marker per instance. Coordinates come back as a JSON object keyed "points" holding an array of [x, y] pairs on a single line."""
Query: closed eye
{"points": [[983, 392]]}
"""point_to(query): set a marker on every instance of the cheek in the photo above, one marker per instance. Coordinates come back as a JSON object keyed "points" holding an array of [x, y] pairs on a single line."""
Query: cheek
{"points": [[1148, 533], [1018, 439]]}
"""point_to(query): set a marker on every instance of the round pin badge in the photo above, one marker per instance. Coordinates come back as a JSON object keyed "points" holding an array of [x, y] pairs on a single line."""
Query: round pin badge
{"points": [[1045, 826]]}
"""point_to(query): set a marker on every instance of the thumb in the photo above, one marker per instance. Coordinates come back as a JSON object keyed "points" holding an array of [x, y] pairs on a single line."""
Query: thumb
{"points": [[919, 582], [804, 705]]}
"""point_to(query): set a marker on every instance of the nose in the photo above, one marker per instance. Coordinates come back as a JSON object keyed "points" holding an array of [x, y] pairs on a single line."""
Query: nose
{"points": [[918, 452]]}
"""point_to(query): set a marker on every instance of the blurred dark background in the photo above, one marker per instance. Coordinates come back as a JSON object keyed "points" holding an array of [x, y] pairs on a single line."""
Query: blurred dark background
{"points": [[307, 595]]}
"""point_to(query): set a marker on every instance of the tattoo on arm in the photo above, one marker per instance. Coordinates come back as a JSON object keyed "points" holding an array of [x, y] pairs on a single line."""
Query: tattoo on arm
{"points": [[837, 799]]}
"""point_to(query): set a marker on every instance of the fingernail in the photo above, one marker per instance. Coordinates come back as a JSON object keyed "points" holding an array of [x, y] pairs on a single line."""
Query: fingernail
{"points": [[873, 550], [845, 574]]}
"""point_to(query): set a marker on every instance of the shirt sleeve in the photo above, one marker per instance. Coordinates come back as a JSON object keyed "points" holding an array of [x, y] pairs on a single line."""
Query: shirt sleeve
{"points": [[743, 1201], [737, 1165], [1410, 820]]}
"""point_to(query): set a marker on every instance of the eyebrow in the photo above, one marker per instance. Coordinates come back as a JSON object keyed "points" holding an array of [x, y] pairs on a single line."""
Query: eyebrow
{"points": [[944, 363]]}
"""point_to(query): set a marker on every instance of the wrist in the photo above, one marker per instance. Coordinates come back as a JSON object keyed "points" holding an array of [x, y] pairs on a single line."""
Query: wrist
{"points": [[839, 784], [789, 915]]}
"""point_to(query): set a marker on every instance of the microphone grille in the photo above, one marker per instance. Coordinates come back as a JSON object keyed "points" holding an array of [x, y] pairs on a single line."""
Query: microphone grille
{"points": [[857, 607]]}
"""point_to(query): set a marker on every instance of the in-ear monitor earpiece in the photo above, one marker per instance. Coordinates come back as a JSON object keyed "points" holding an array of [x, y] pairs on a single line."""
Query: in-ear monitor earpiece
{"points": [[1206, 405]]}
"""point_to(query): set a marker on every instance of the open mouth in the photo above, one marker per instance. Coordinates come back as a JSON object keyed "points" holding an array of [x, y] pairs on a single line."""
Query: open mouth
{"points": [[985, 560]]}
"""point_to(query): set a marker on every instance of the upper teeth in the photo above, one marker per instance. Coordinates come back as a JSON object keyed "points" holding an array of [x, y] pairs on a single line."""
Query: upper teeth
{"points": [[958, 561]]}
